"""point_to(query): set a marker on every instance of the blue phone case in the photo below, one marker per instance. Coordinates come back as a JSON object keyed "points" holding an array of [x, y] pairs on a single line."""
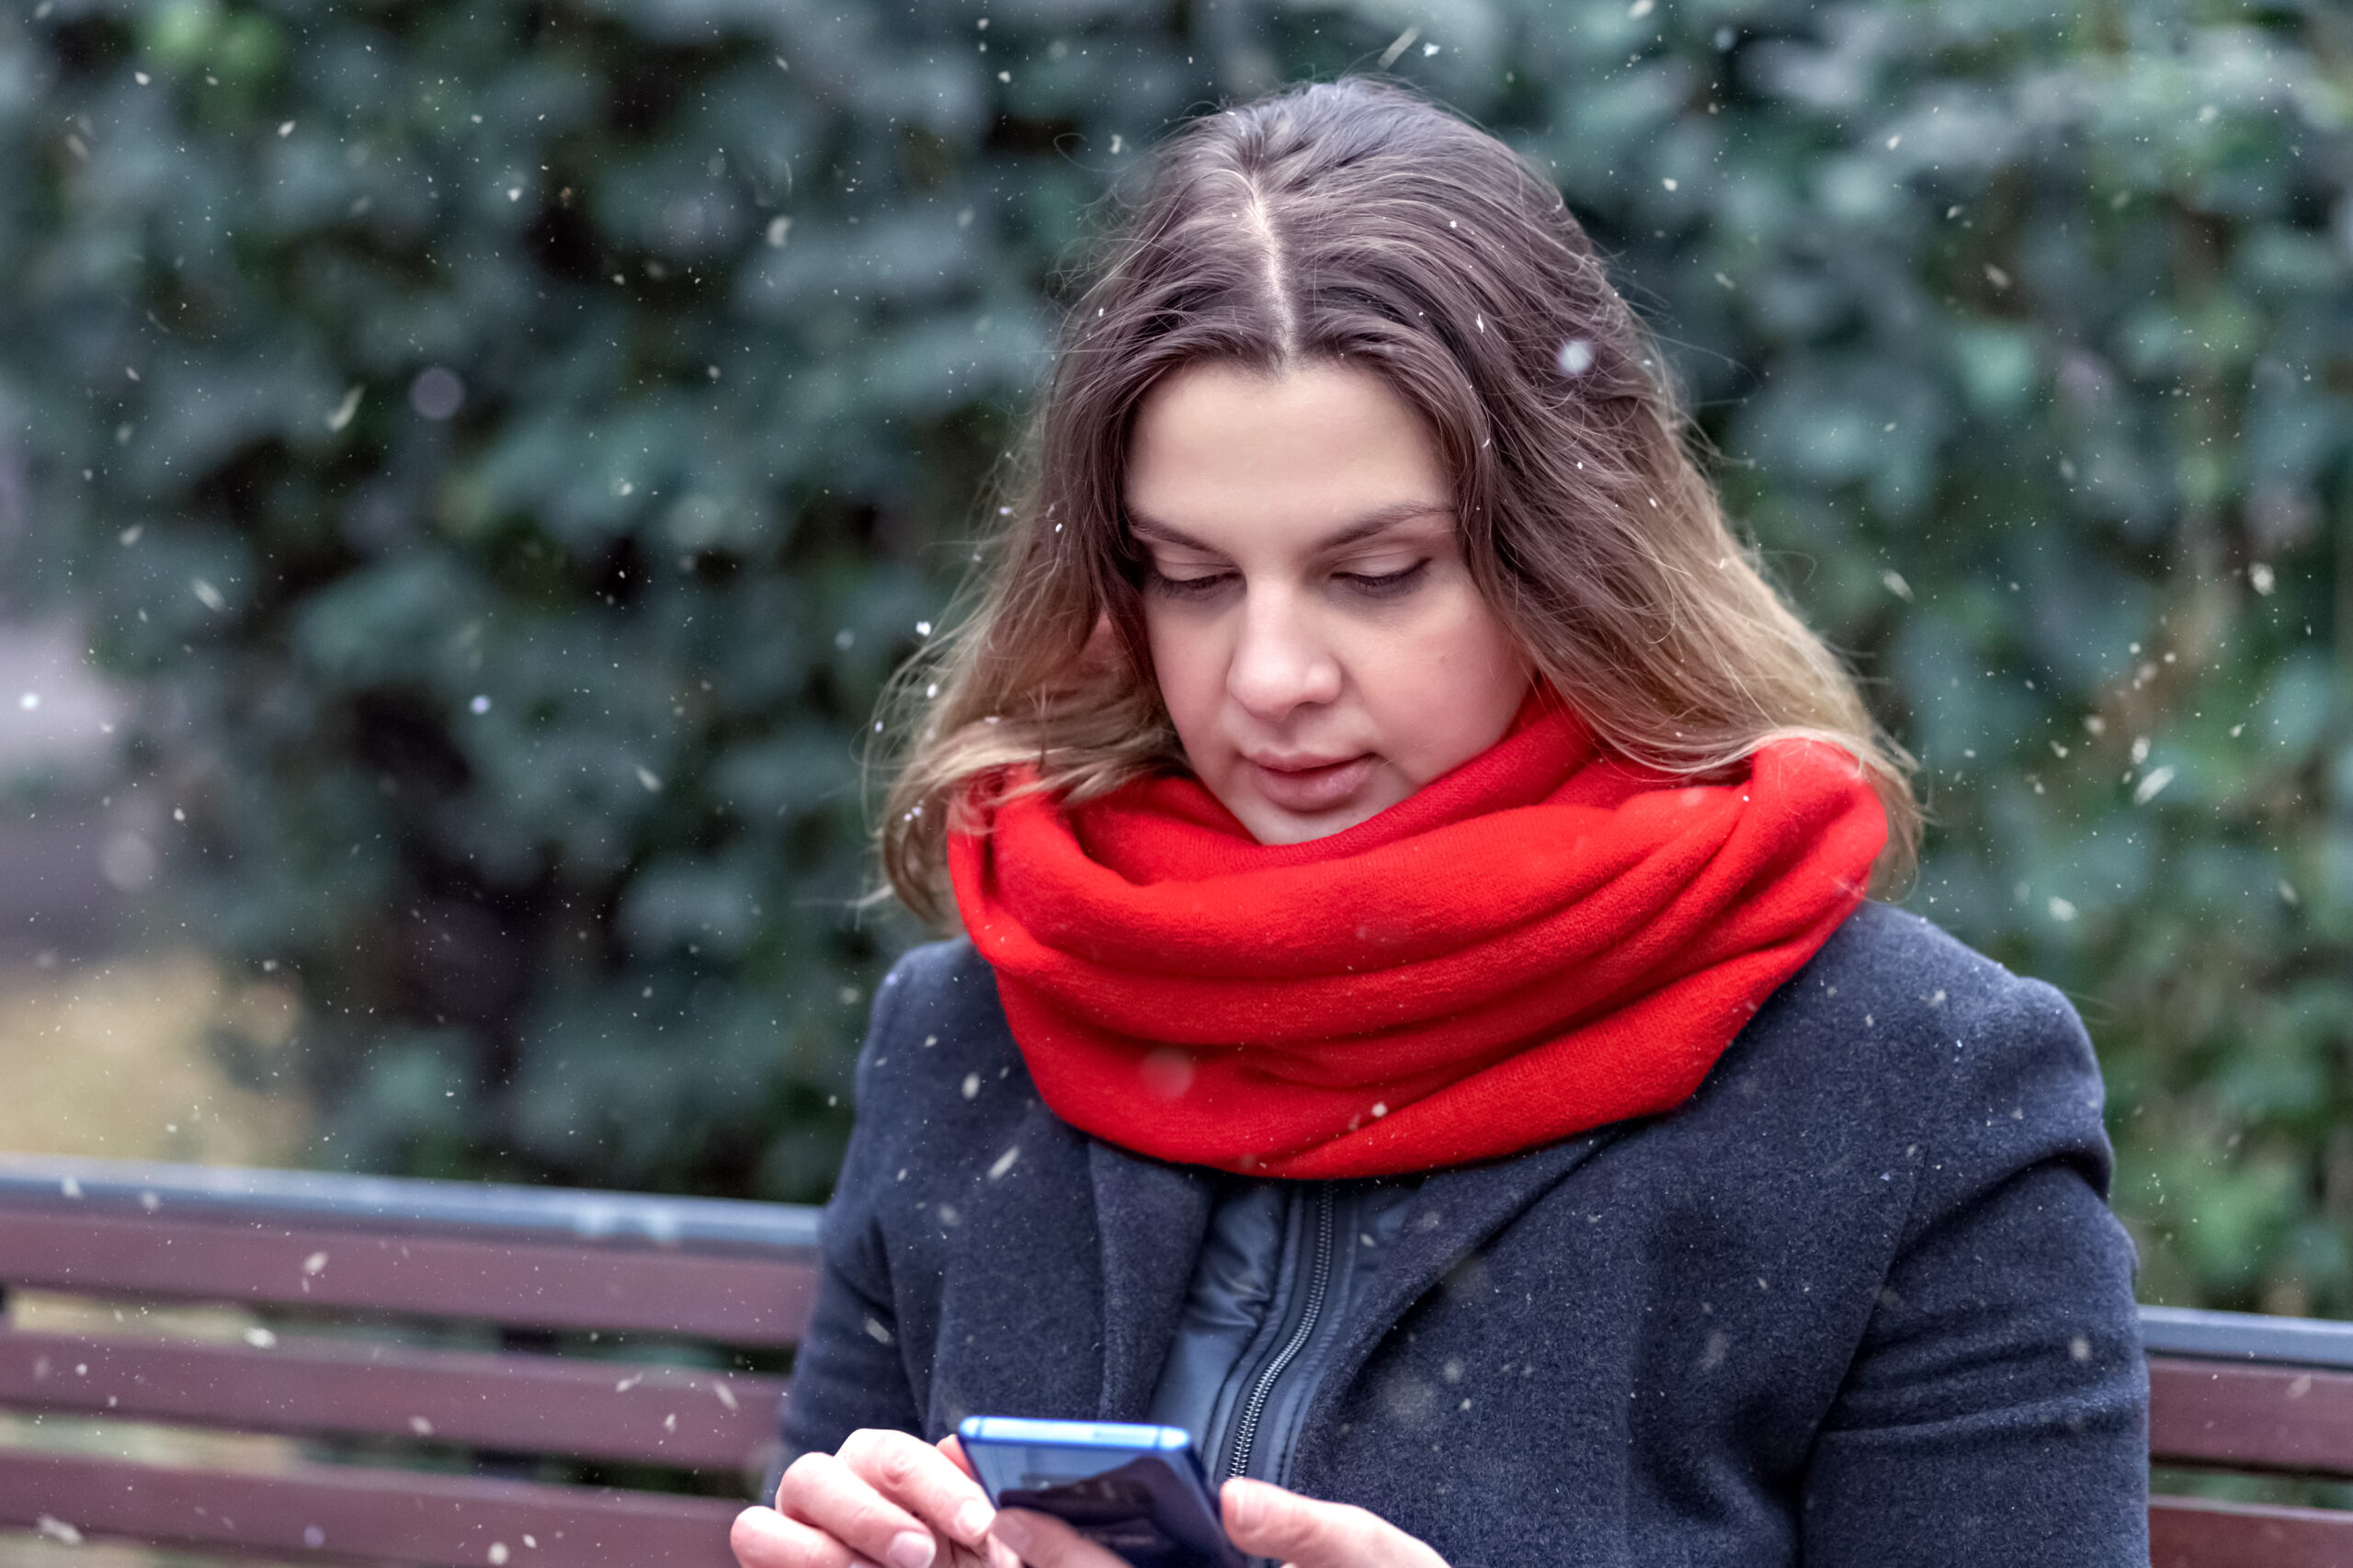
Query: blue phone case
{"points": [[1136, 1491]]}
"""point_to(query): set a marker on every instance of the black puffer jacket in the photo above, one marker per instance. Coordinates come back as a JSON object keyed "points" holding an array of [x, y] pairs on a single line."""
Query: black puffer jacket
{"points": [[1859, 1302], [1282, 1272]]}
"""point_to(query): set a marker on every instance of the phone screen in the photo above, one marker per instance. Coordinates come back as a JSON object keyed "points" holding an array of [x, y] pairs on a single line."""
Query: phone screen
{"points": [[1136, 1491]]}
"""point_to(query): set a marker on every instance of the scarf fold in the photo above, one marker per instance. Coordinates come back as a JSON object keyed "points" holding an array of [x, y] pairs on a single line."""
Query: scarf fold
{"points": [[1544, 940]]}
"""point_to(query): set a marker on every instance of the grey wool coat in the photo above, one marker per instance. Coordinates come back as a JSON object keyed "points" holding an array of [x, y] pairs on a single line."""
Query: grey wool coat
{"points": [[1859, 1304]]}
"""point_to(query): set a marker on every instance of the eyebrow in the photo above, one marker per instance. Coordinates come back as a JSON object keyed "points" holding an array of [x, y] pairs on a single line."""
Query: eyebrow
{"points": [[1151, 528]]}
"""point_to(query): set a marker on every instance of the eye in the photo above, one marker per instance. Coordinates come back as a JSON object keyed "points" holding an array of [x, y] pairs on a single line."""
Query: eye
{"points": [[1385, 585], [1193, 585]]}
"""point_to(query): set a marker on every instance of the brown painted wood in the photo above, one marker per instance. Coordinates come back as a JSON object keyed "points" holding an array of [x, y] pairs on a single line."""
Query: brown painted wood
{"points": [[2250, 1417], [521, 1404], [429, 1521], [2194, 1532], [551, 1283]]}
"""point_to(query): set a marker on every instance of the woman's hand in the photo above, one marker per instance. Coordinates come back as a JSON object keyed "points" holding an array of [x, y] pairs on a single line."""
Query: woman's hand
{"points": [[1260, 1519], [887, 1499]]}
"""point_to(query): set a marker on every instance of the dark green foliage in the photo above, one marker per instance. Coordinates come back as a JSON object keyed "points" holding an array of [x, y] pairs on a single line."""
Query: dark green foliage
{"points": [[530, 736]]}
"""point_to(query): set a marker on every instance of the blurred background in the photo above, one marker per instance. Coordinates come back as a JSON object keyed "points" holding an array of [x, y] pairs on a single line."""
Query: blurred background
{"points": [[466, 467]]}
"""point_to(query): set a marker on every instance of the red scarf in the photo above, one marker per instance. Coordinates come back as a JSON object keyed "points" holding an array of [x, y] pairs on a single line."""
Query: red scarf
{"points": [[1542, 941]]}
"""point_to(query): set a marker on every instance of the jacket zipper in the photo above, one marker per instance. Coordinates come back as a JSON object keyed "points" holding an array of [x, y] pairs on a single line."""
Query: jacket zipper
{"points": [[1319, 1279]]}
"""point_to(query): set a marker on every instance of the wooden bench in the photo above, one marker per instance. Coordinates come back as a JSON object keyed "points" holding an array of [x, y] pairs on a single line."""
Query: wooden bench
{"points": [[592, 1309], [343, 1281], [2238, 1393]]}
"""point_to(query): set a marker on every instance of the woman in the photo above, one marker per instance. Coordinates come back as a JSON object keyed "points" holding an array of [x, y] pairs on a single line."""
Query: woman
{"points": [[1420, 1027]]}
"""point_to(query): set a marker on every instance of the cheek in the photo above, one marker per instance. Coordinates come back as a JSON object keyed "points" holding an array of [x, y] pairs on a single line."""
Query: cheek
{"points": [[1188, 670], [1444, 697]]}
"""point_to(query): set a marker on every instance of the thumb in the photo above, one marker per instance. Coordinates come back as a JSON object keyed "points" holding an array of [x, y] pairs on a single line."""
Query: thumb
{"points": [[1265, 1520]]}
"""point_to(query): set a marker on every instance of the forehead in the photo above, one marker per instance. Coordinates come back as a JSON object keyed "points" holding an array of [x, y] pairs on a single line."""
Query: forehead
{"points": [[1225, 454]]}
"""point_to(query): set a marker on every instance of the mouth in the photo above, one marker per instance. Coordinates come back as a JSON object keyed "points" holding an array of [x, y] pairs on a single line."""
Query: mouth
{"points": [[1307, 784]]}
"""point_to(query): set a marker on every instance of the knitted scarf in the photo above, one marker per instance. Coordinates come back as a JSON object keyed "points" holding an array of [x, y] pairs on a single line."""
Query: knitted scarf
{"points": [[1542, 941]]}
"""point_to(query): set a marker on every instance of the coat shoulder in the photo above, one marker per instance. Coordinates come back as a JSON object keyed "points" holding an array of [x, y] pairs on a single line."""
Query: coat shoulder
{"points": [[1895, 985], [1890, 952], [939, 996], [938, 1031], [1899, 1023]]}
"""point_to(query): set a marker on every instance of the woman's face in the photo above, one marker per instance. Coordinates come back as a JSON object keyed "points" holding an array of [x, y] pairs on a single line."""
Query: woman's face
{"points": [[1316, 635]]}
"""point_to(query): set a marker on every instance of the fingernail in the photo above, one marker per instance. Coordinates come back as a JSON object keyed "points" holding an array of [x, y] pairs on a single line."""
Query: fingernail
{"points": [[1241, 1503], [911, 1549], [972, 1521]]}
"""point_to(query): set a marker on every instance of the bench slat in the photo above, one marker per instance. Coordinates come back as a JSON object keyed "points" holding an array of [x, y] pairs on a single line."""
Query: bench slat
{"points": [[409, 1203], [2246, 1336], [2196, 1532], [427, 1521], [517, 1404], [750, 1302], [2250, 1417]]}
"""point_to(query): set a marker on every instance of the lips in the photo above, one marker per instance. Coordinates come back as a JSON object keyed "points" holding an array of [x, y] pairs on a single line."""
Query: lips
{"points": [[1308, 785]]}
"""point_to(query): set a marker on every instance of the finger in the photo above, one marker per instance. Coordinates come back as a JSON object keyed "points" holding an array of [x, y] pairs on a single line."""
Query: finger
{"points": [[1042, 1541], [993, 1552], [762, 1537], [924, 1480], [1267, 1521], [823, 1492]]}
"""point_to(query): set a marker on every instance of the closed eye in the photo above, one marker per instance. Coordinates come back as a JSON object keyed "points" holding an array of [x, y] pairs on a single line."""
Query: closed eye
{"points": [[1186, 587], [1386, 584]]}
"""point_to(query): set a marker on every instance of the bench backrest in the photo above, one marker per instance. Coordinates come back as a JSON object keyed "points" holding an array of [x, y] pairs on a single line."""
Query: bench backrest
{"points": [[346, 1269], [346, 1276], [2234, 1391]]}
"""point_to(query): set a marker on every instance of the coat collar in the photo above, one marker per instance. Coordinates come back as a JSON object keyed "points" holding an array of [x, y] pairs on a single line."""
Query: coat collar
{"points": [[1457, 1212], [1152, 1216]]}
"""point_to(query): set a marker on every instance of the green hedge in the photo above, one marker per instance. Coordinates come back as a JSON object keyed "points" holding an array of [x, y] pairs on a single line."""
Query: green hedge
{"points": [[507, 445]]}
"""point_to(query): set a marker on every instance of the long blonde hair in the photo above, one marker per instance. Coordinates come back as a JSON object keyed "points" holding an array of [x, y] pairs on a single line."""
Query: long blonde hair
{"points": [[1354, 222]]}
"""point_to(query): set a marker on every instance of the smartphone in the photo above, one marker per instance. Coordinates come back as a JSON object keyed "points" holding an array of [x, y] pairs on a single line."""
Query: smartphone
{"points": [[1136, 1491]]}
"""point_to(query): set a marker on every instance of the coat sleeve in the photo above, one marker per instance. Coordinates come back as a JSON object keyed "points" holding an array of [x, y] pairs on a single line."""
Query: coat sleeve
{"points": [[850, 1370], [1997, 1410]]}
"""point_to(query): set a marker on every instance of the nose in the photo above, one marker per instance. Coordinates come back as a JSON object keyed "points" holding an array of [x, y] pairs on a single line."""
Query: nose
{"points": [[1279, 665]]}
